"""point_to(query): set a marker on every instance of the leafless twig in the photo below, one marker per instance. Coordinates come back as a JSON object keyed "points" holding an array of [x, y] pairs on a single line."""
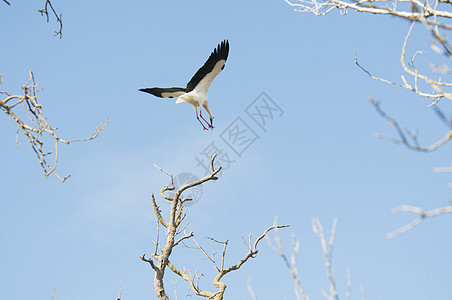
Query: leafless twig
{"points": [[433, 14], [327, 250], [222, 270], [120, 288], [250, 289], [38, 127], [291, 263], [421, 215], [59, 18], [404, 133]]}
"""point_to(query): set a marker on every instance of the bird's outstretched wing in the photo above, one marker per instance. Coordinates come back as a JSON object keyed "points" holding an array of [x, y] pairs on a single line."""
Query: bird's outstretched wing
{"points": [[212, 67], [173, 92]]}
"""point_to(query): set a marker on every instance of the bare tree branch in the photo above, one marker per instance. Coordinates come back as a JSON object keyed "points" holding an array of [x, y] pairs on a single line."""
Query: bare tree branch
{"points": [[432, 14], [414, 10], [363, 295], [175, 219], [290, 264], [327, 253], [436, 18], [327, 250], [160, 259], [120, 288], [157, 212], [349, 285], [187, 236], [403, 132], [250, 289], [421, 216], [38, 127], [223, 271], [59, 18]]}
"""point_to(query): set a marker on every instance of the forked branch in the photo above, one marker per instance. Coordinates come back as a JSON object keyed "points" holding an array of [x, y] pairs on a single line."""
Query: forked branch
{"points": [[421, 215], [327, 250], [291, 263], [406, 137], [59, 18], [176, 216], [37, 130], [222, 270], [173, 225]]}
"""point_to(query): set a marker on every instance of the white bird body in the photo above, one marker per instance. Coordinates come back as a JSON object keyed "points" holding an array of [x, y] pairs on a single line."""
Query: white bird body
{"points": [[196, 99], [196, 91]]}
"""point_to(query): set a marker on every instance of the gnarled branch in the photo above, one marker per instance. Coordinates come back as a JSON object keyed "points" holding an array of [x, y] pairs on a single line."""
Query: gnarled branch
{"points": [[38, 127], [161, 257]]}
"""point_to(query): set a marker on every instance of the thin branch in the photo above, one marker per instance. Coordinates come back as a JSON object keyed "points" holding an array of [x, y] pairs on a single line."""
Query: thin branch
{"points": [[415, 11], [183, 228], [166, 187], [211, 258], [251, 253], [447, 121], [148, 260], [157, 240], [421, 215], [290, 264], [183, 238], [157, 212], [192, 282], [327, 253], [403, 139], [369, 6], [120, 288], [349, 285], [250, 289], [59, 18], [38, 127], [363, 295]]}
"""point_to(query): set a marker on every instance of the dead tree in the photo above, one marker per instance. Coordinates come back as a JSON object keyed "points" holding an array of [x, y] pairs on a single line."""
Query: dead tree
{"points": [[160, 259], [27, 112]]}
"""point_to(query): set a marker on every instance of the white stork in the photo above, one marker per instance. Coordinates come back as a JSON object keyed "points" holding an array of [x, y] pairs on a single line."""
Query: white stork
{"points": [[196, 91]]}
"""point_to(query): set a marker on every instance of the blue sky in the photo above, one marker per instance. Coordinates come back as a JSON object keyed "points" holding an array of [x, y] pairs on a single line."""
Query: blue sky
{"points": [[320, 158]]}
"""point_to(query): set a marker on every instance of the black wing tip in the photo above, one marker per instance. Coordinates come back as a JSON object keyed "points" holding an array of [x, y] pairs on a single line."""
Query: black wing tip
{"points": [[158, 92], [222, 50], [154, 91], [147, 90]]}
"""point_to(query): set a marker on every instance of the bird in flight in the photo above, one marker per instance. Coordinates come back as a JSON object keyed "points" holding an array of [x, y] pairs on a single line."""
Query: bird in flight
{"points": [[195, 93]]}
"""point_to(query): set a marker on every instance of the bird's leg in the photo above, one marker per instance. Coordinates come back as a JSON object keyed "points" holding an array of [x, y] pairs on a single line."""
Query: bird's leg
{"points": [[210, 124], [200, 114], [196, 111]]}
